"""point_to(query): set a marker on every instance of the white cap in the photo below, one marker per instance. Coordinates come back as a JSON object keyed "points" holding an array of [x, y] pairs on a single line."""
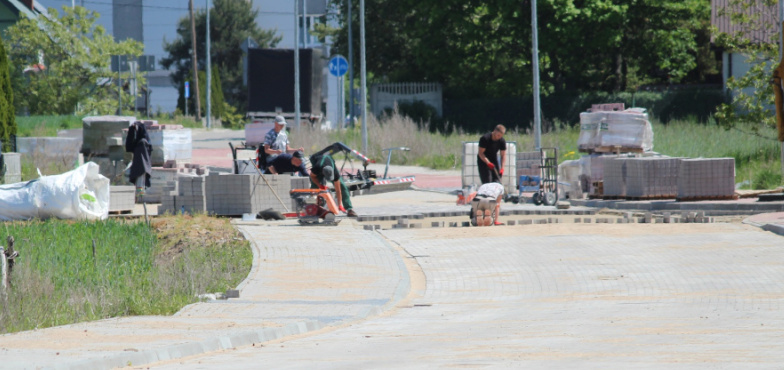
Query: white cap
{"points": [[280, 120]]}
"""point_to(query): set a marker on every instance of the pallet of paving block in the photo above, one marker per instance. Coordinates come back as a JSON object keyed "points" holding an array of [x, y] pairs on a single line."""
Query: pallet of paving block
{"points": [[610, 149], [706, 198], [121, 212]]}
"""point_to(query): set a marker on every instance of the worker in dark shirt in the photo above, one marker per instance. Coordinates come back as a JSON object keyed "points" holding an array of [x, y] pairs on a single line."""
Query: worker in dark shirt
{"points": [[324, 170], [286, 163], [490, 144]]}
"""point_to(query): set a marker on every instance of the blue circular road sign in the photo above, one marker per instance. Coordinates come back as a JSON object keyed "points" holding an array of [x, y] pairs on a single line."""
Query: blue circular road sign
{"points": [[338, 66]]}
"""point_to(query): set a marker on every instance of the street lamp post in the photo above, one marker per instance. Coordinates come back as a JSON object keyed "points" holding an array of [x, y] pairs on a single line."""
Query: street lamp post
{"points": [[363, 65], [296, 64], [209, 74], [535, 59]]}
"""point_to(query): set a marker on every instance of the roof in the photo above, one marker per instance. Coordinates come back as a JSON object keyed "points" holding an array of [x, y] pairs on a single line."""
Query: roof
{"points": [[768, 16], [30, 8]]}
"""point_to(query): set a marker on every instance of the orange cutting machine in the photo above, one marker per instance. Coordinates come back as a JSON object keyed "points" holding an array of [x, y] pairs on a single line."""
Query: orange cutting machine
{"points": [[315, 206]]}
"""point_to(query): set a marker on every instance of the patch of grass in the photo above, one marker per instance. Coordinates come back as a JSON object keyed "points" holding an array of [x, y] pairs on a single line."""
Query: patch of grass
{"points": [[766, 178], [39, 126], [134, 269]]}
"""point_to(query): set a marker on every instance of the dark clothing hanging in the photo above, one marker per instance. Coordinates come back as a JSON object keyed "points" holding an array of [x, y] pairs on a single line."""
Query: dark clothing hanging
{"points": [[138, 143]]}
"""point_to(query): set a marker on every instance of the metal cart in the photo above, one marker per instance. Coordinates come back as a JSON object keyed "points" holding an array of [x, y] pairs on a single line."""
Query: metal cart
{"points": [[548, 187]]}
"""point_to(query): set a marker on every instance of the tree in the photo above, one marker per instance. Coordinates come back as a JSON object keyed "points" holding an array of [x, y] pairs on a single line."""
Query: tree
{"points": [[7, 116], [231, 23], [75, 70], [482, 48], [216, 94], [757, 39]]}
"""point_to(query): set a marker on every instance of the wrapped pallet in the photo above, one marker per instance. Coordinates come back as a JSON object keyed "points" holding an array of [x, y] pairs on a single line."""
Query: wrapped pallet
{"points": [[610, 131]]}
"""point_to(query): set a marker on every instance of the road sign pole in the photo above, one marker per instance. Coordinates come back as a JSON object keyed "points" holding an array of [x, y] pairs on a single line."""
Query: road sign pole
{"points": [[339, 121]]}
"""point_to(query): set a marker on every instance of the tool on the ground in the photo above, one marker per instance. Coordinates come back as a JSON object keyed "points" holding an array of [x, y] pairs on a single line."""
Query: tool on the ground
{"points": [[315, 207]]}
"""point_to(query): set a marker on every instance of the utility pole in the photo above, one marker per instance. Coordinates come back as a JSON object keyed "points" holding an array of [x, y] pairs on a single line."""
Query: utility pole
{"points": [[195, 67], [535, 59], [209, 74], [350, 68], [296, 65], [781, 55], [363, 65]]}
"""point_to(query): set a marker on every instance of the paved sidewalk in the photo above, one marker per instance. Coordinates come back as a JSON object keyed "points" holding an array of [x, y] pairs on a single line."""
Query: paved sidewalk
{"points": [[298, 283]]}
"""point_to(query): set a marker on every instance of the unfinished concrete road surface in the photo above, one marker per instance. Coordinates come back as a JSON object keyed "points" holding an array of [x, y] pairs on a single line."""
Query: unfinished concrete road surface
{"points": [[545, 296]]}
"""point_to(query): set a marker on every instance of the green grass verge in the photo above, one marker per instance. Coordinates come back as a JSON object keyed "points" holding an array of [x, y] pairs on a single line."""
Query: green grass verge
{"points": [[80, 271]]}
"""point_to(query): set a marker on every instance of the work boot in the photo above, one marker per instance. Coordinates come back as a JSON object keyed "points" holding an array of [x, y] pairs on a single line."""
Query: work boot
{"points": [[351, 213]]}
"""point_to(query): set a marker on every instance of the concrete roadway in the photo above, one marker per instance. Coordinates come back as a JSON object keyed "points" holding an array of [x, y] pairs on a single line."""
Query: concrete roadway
{"points": [[536, 296]]}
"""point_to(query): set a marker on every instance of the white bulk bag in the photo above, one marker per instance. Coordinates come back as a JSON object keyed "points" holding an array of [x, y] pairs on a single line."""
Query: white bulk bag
{"points": [[79, 194]]}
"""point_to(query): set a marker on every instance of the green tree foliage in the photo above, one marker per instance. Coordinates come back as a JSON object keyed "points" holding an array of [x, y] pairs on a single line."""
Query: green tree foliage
{"points": [[76, 53], [231, 23], [7, 116], [757, 40], [216, 94], [483, 47]]}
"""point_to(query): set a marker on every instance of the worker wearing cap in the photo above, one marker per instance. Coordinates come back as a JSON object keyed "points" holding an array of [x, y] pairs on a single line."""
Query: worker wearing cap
{"points": [[276, 141], [490, 144], [322, 171], [286, 163]]}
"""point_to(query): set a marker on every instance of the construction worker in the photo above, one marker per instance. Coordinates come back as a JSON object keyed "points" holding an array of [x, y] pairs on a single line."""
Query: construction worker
{"points": [[322, 171], [490, 169], [285, 163], [486, 205], [276, 141]]}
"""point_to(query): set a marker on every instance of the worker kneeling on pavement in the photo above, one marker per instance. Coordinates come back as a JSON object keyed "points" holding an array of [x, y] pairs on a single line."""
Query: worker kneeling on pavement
{"points": [[486, 205], [285, 163], [322, 171]]}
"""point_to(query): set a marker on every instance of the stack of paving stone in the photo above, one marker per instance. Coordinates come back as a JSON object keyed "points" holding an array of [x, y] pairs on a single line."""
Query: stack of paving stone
{"points": [[706, 179], [186, 191], [165, 177], [233, 195], [615, 174], [652, 178], [102, 143], [170, 143], [13, 168], [121, 198]]}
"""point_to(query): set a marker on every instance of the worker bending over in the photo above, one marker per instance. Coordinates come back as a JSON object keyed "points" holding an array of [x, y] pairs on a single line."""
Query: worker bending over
{"points": [[322, 171], [486, 205]]}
